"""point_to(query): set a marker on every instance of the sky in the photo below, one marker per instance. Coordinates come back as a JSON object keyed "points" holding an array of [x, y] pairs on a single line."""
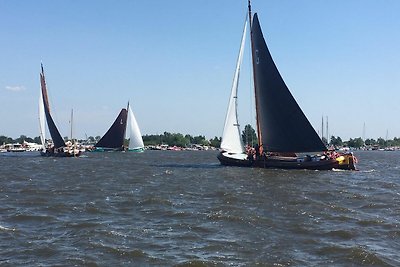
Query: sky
{"points": [[174, 61]]}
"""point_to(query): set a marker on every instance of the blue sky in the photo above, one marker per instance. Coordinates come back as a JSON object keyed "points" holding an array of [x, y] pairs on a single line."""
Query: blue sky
{"points": [[174, 61]]}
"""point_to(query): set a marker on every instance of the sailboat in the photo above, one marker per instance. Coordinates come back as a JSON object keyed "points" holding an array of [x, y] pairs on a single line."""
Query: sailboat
{"points": [[113, 139], [59, 148], [283, 131]]}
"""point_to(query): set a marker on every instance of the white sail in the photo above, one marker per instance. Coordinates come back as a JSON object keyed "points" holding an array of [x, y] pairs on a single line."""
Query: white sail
{"points": [[42, 121], [231, 138], [135, 138]]}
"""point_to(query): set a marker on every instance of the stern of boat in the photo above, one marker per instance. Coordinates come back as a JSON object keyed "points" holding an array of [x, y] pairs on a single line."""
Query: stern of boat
{"points": [[347, 161]]}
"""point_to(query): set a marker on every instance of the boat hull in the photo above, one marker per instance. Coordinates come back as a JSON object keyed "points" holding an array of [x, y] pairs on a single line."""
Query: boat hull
{"points": [[106, 149], [232, 161], [137, 150], [60, 154], [344, 162]]}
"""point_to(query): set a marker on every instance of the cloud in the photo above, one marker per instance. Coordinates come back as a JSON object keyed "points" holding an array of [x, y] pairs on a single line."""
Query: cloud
{"points": [[15, 88]]}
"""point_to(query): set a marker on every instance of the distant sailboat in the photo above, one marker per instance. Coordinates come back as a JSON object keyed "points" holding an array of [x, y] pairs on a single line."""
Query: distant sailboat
{"points": [[282, 128], [59, 148], [135, 136], [113, 139]]}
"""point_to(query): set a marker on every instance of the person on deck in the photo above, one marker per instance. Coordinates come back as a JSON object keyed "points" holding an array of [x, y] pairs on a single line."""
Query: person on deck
{"points": [[257, 149]]}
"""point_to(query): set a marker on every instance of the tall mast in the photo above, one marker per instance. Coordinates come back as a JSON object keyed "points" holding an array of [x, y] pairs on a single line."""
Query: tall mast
{"points": [[322, 128], [327, 130], [254, 79], [72, 123]]}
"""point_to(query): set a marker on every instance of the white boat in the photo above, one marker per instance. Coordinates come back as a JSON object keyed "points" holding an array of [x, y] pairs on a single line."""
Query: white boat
{"points": [[15, 148]]}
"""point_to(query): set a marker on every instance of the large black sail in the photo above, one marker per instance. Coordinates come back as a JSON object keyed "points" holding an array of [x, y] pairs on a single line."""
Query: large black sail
{"points": [[58, 141], [114, 137], [282, 124]]}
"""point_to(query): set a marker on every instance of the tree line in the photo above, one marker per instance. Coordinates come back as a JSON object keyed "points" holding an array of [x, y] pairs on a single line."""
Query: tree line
{"points": [[178, 139], [249, 137], [171, 139]]}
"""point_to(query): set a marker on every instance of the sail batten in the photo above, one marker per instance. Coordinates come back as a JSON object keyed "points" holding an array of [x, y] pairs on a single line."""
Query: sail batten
{"points": [[231, 138], [283, 127]]}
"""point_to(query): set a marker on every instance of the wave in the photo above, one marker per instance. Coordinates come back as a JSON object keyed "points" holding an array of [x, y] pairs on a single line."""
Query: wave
{"points": [[357, 255]]}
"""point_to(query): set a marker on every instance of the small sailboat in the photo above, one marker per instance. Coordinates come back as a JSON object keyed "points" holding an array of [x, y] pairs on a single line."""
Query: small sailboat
{"points": [[135, 137], [59, 148], [113, 139], [283, 131]]}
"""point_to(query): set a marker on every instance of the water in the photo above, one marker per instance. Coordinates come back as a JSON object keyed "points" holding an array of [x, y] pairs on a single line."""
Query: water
{"points": [[168, 208]]}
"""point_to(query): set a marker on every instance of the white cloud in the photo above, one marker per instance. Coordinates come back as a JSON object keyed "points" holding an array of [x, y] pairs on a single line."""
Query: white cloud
{"points": [[15, 88]]}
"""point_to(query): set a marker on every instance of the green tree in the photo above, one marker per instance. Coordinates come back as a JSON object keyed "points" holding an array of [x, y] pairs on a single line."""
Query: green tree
{"points": [[37, 140], [216, 142], [370, 142], [22, 138], [5, 140], [356, 142], [396, 141], [249, 135], [336, 141], [200, 140], [381, 142]]}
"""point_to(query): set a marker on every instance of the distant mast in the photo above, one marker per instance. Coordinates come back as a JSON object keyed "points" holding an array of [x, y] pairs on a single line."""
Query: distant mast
{"points": [[327, 131], [364, 132], [322, 128], [72, 117]]}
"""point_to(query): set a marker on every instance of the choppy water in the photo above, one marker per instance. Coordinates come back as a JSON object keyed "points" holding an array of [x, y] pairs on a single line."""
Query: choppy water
{"points": [[167, 208]]}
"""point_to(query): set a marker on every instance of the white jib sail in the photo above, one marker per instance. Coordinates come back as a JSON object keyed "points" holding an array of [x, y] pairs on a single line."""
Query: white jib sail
{"points": [[231, 138], [42, 122], [135, 141]]}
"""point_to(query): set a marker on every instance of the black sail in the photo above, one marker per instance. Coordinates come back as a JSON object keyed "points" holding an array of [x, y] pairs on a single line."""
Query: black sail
{"points": [[58, 141], [282, 124], [114, 137]]}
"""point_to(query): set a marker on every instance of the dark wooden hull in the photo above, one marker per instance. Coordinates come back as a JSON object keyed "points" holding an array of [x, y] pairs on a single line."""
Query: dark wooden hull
{"points": [[348, 163], [227, 161], [60, 154]]}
